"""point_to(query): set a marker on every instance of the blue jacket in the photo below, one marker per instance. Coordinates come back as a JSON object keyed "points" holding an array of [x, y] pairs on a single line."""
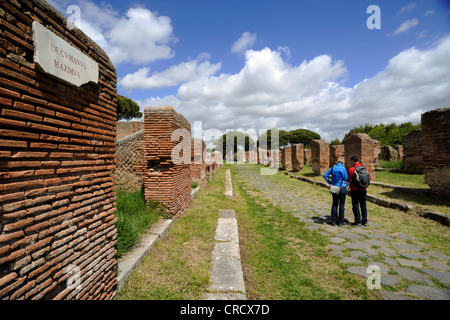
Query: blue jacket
{"points": [[338, 173]]}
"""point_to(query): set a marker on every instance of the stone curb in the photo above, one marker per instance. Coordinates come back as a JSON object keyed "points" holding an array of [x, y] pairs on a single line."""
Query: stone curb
{"points": [[440, 217], [228, 185], [146, 243], [195, 192], [227, 280]]}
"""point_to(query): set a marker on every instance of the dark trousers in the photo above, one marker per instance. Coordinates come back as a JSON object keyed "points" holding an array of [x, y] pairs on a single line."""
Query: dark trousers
{"points": [[359, 200], [338, 201]]}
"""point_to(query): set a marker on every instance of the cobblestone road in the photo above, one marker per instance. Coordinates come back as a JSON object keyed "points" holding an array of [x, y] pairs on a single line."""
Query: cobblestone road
{"points": [[397, 255]]}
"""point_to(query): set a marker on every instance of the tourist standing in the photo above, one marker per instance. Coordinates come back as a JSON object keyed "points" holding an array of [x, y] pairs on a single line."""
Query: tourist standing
{"points": [[338, 181], [358, 191]]}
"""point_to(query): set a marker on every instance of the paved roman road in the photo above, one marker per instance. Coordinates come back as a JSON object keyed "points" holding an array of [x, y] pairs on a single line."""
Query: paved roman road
{"points": [[397, 255]]}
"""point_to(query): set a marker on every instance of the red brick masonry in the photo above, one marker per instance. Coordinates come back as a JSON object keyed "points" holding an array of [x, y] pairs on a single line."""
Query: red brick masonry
{"points": [[57, 158]]}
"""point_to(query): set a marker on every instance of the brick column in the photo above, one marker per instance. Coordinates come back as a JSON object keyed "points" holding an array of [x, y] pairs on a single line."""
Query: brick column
{"points": [[297, 157], [365, 148], [167, 180], [320, 154], [436, 149], [286, 158]]}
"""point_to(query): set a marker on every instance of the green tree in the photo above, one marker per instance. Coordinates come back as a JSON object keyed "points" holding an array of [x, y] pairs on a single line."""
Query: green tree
{"points": [[302, 136], [232, 140], [127, 108], [335, 142]]}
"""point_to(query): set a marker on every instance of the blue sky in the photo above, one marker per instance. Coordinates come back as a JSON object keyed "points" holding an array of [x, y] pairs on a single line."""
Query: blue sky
{"points": [[254, 65]]}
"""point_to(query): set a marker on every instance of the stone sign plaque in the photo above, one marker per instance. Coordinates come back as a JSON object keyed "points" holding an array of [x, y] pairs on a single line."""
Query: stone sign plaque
{"points": [[58, 58]]}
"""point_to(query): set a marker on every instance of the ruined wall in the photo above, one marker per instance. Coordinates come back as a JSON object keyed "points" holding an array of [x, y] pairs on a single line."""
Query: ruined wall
{"points": [[336, 151], [388, 153], [130, 162], [436, 149], [125, 128], [297, 157], [286, 158], [412, 152], [307, 156], [365, 148], [57, 153], [165, 180], [198, 164], [320, 155]]}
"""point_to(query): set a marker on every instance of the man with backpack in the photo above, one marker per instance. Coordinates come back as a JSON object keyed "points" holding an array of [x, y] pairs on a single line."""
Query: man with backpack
{"points": [[359, 178]]}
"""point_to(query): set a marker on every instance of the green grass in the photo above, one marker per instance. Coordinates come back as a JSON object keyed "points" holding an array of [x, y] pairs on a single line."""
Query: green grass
{"points": [[178, 268], [402, 179], [134, 217], [398, 164]]}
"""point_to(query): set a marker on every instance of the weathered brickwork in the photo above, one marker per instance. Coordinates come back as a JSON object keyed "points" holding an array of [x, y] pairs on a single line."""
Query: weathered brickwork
{"points": [[436, 149], [336, 151], [307, 156], [365, 148], [167, 180], [130, 162], [286, 158], [297, 157], [126, 128], [320, 155], [388, 153], [198, 164], [412, 152], [57, 161]]}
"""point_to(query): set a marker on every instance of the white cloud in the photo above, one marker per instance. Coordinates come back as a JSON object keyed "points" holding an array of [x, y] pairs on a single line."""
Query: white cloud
{"points": [[140, 36], [245, 42], [406, 25], [430, 12], [269, 92], [175, 75], [407, 8]]}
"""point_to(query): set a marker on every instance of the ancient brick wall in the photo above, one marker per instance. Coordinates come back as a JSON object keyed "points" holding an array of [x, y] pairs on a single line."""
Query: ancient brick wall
{"points": [[286, 158], [297, 157], [336, 151], [436, 149], [167, 179], [125, 128], [57, 153], [365, 148], [388, 153], [198, 164], [412, 152], [320, 155], [130, 161], [306, 156]]}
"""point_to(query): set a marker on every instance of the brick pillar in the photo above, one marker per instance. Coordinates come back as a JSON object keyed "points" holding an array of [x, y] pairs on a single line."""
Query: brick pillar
{"points": [[436, 149], [307, 156], [286, 158], [297, 157], [412, 152], [167, 179], [365, 148], [320, 154], [336, 152], [198, 164]]}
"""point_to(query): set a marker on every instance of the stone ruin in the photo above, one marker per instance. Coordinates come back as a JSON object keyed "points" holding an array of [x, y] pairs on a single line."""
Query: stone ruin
{"points": [[167, 172], [412, 152], [307, 156], [198, 163], [336, 152], [365, 148], [126, 128], [286, 158], [320, 155], [57, 159], [436, 149], [297, 157]]}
